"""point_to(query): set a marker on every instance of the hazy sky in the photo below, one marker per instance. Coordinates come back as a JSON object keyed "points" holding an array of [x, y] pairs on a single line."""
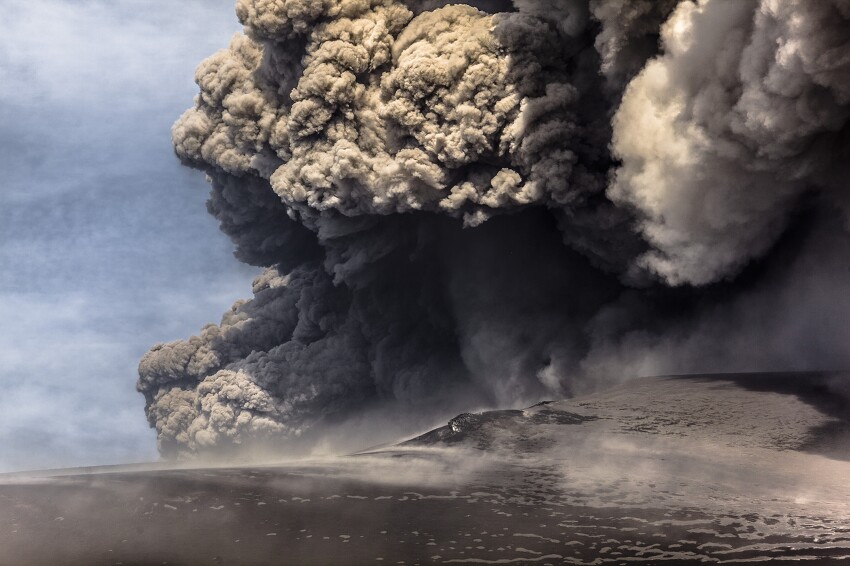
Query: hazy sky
{"points": [[105, 243]]}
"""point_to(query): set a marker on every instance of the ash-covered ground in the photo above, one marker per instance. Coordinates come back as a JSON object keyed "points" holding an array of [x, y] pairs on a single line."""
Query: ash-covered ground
{"points": [[713, 469]]}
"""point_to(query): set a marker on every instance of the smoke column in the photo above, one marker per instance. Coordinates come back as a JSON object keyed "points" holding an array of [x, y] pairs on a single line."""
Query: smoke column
{"points": [[488, 204]]}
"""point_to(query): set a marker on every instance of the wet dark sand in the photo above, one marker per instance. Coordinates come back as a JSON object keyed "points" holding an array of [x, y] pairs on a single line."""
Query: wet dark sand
{"points": [[285, 516]]}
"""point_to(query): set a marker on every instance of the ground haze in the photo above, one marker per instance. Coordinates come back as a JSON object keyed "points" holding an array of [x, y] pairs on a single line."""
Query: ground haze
{"points": [[709, 468]]}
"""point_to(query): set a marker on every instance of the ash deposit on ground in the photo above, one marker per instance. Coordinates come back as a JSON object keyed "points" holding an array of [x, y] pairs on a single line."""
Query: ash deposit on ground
{"points": [[717, 469]]}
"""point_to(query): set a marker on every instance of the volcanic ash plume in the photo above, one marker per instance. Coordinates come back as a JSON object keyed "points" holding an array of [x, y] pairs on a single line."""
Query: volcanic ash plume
{"points": [[487, 204], [721, 135]]}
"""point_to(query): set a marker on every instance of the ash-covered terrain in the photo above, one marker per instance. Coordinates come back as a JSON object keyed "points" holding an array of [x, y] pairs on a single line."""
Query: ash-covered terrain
{"points": [[713, 469]]}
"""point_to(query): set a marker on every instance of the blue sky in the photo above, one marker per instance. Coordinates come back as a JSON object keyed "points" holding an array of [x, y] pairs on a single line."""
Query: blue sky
{"points": [[105, 243]]}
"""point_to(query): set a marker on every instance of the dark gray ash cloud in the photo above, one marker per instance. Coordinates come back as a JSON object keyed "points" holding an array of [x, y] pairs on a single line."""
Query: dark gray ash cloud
{"points": [[497, 203]]}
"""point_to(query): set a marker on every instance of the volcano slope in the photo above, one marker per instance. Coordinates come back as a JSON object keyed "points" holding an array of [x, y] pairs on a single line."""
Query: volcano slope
{"points": [[714, 469]]}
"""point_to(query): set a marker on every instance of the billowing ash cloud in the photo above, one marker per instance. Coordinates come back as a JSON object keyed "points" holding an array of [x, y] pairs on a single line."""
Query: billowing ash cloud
{"points": [[486, 204], [721, 135]]}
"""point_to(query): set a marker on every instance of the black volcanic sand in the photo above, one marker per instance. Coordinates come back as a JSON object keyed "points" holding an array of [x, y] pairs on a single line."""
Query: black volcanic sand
{"points": [[305, 516]]}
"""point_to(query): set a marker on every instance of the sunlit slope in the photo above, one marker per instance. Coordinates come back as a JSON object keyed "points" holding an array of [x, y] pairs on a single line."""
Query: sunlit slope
{"points": [[783, 411]]}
